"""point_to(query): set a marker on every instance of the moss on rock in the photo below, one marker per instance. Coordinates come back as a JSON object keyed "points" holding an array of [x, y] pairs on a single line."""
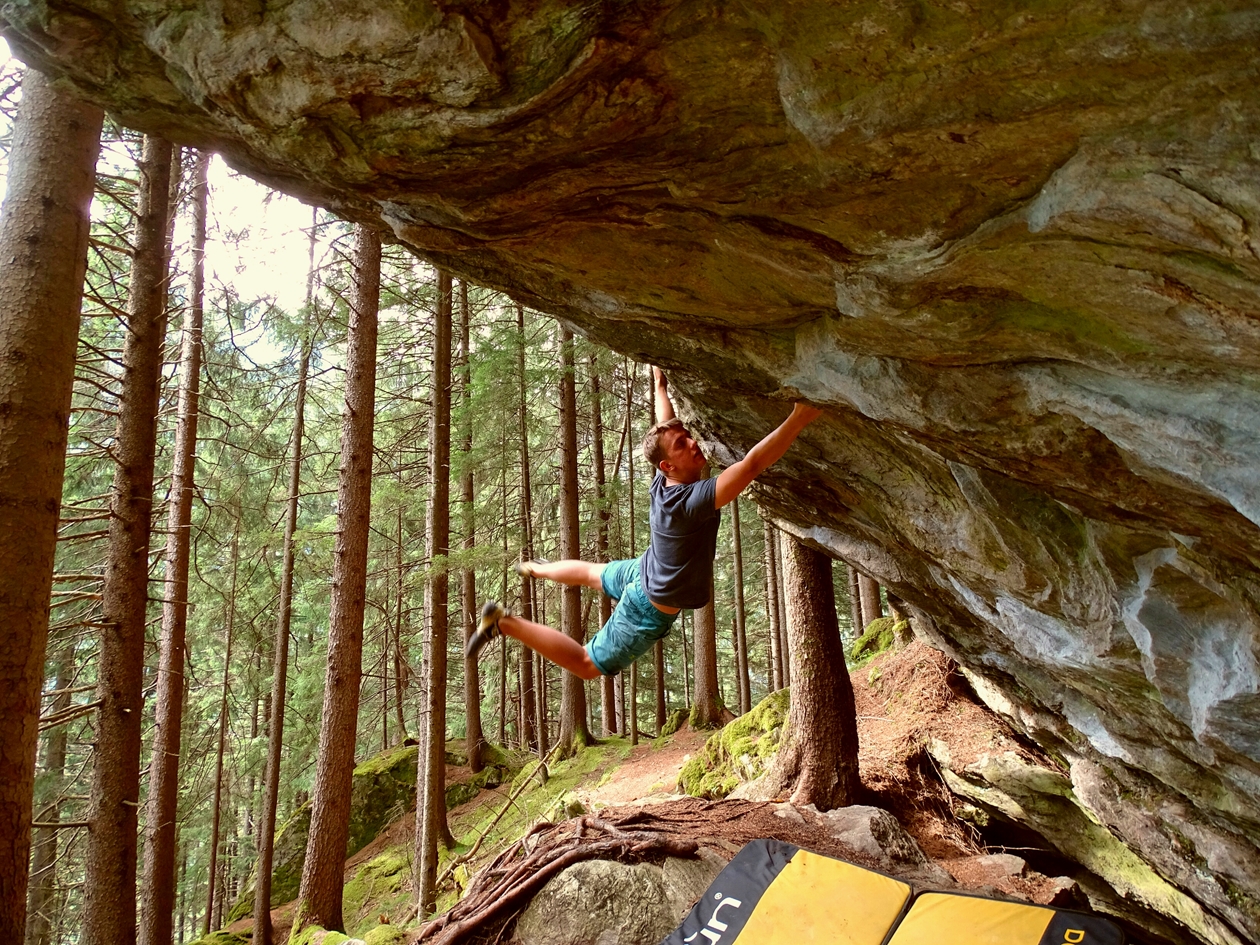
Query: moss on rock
{"points": [[384, 935], [379, 886], [739, 752], [880, 635], [221, 937], [673, 722], [384, 789], [314, 935]]}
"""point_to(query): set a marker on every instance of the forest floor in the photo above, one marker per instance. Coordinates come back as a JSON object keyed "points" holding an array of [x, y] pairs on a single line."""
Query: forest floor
{"points": [[904, 698]]}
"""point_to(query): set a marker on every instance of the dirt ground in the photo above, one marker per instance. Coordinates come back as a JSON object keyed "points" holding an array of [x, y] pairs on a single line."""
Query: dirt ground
{"points": [[650, 774]]}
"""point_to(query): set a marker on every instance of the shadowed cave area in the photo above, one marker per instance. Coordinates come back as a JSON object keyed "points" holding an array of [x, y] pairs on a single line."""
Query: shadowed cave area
{"points": [[1009, 248]]}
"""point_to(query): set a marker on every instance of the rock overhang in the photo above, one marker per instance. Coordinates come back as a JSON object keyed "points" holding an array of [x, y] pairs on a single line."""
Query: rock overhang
{"points": [[1011, 248]]}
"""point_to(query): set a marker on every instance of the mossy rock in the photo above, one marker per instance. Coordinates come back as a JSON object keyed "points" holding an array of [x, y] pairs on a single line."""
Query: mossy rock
{"points": [[880, 635], [384, 935], [674, 721], [461, 792], [221, 937], [384, 788], [739, 752], [379, 886], [314, 935]]}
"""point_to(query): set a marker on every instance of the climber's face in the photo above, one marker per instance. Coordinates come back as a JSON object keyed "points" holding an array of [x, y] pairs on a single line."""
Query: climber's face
{"points": [[683, 460]]}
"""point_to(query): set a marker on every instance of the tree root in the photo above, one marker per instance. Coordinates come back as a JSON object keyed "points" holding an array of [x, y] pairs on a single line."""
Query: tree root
{"points": [[519, 872]]}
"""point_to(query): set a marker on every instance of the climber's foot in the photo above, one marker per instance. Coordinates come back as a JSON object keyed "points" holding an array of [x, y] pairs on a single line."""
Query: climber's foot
{"points": [[487, 629]]}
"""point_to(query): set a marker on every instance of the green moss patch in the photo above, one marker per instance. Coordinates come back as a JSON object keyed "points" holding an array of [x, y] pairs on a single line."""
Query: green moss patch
{"points": [[314, 935], [221, 938], [673, 722], [739, 752], [879, 636], [384, 789], [384, 935], [379, 887]]}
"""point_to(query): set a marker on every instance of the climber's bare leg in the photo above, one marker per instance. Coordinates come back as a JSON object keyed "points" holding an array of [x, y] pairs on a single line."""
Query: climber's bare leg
{"points": [[558, 647], [571, 572]]}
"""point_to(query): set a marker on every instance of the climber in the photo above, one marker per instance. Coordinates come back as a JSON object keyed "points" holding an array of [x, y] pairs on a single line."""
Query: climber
{"points": [[675, 572]]}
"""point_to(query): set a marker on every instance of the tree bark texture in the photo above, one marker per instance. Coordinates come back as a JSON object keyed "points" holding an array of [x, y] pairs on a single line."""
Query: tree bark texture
{"points": [[741, 639], [43, 242], [157, 904], [707, 708], [320, 896], [855, 600], [431, 825], [609, 692], [872, 608], [785, 642], [525, 664], [399, 624], [772, 608], [819, 755], [633, 710], [280, 669], [472, 679], [109, 901], [574, 733], [216, 805], [40, 915]]}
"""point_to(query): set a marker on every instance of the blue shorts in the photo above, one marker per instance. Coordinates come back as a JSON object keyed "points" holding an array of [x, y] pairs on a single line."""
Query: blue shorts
{"points": [[634, 626]]}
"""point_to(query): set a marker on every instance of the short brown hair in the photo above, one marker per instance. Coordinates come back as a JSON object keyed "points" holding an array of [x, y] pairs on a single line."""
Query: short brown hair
{"points": [[653, 449]]}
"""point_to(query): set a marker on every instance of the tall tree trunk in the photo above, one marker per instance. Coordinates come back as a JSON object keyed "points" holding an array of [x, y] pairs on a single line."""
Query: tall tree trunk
{"points": [[43, 892], [707, 710], [320, 895], [183, 892], [819, 755], [541, 721], [609, 699], [634, 703], [158, 889], [772, 607], [472, 680], [431, 824], [574, 734], [284, 617], [109, 902], [217, 804], [43, 242], [785, 642], [855, 600], [872, 607], [686, 673], [525, 664], [400, 718], [503, 650], [741, 639]]}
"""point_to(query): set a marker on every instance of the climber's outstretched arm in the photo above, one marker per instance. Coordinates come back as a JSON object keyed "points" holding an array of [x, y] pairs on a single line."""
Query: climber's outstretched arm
{"points": [[735, 479], [664, 406]]}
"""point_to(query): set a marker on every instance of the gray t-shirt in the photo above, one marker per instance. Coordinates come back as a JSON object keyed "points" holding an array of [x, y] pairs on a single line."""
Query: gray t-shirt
{"points": [[678, 565]]}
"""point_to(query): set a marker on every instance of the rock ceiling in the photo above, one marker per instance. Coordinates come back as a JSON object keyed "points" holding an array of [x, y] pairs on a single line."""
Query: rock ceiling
{"points": [[1011, 248]]}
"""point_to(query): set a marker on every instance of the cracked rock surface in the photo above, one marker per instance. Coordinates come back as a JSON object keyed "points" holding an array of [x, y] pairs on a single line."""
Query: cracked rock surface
{"points": [[1010, 248]]}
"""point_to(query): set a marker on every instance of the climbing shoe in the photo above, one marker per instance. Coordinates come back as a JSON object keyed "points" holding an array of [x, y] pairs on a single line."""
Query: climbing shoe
{"points": [[487, 629], [526, 568]]}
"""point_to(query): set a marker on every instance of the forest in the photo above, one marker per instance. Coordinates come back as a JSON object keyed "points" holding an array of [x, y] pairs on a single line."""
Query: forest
{"points": [[277, 525]]}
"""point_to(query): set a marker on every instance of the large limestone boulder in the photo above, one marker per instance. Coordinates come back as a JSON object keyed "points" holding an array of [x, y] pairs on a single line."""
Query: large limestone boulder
{"points": [[1011, 249]]}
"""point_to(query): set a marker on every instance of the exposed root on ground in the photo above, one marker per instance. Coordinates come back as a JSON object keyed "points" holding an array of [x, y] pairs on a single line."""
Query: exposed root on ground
{"points": [[512, 879]]}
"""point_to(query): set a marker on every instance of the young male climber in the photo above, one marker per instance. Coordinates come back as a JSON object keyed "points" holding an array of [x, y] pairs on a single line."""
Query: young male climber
{"points": [[675, 572]]}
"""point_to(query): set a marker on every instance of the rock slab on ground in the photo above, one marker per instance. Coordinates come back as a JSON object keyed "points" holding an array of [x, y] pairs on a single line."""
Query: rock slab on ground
{"points": [[613, 903]]}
